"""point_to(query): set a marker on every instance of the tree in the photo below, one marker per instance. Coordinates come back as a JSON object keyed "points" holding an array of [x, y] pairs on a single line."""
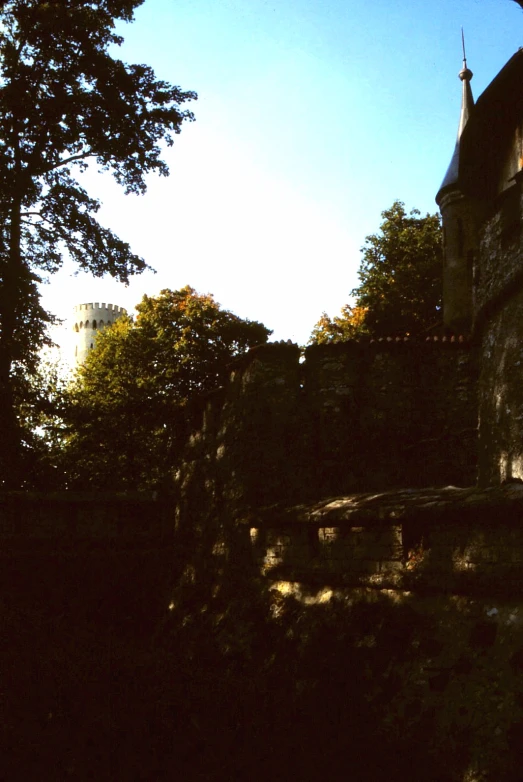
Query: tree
{"points": [[348, 325], [39, 399], [400, 281], [127, 410], [65, 101]]}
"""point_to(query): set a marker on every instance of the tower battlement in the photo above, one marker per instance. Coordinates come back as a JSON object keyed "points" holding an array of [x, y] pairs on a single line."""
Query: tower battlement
{"points": [[89, 319], [97, 310]]}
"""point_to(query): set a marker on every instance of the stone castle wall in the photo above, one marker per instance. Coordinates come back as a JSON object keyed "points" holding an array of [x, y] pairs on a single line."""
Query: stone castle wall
{"points": [[352, 417], [499, 314], [68, 517]]}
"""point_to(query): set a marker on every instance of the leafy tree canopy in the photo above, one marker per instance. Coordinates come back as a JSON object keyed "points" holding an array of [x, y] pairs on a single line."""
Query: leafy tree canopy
{"points": [[39, 398], [127, 410], [65, 101], [348, 325], [400, 281]]}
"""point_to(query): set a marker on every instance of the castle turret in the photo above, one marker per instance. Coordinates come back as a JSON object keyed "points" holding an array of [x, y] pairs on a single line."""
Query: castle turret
{"points": [[459, 230], [89, 319]]}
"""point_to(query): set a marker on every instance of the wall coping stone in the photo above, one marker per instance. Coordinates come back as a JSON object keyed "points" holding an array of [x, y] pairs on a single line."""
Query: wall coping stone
{"points": [[378, 343], [386, 508]]}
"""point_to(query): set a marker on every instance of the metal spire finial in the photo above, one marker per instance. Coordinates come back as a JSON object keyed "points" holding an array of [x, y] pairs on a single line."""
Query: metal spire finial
{"points": [[463, 46], [465, 74]]}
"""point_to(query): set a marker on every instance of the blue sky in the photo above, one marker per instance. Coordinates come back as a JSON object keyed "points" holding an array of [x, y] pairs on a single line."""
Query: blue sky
{"points": [[312, 117]]}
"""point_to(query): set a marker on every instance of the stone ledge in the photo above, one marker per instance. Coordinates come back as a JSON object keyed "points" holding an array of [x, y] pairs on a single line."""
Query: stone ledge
{"points": [[375, 508]]}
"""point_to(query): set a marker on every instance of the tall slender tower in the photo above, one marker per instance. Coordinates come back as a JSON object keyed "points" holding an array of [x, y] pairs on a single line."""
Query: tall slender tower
{"points": [[89, 319], [459, 229]]}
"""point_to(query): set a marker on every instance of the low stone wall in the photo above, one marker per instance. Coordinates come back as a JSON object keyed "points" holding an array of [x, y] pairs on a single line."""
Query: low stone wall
{"points": [[463, 541], [68, 517], [340, 554]]}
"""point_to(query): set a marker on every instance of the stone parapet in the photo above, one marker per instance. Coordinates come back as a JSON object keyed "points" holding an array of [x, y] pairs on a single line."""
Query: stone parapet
{"points": [[354, 416], [463, 541]]}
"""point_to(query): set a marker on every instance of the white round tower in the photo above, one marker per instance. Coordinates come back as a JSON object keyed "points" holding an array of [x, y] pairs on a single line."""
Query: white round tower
{"points": [[89, 319]]}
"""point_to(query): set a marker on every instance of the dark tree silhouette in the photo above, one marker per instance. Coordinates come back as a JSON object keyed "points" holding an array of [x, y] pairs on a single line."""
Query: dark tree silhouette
{"points": [[64, 100]]}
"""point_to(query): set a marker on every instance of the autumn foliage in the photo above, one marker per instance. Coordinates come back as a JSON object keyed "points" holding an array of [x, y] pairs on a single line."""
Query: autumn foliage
{"points": [[126, 414]]}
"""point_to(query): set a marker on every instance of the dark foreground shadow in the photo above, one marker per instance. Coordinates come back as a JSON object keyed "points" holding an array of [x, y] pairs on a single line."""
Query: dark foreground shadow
{"points": [[101, 680]]}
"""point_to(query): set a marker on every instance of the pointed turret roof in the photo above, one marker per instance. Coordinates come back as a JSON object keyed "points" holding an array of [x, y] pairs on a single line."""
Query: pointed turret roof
{"points": [[484, 170], [467, 104]]}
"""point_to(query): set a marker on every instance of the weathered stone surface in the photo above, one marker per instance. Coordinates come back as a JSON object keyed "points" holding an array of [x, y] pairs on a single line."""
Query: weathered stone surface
{"points": [[444, 540], [351, 417], [501, 395]]}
